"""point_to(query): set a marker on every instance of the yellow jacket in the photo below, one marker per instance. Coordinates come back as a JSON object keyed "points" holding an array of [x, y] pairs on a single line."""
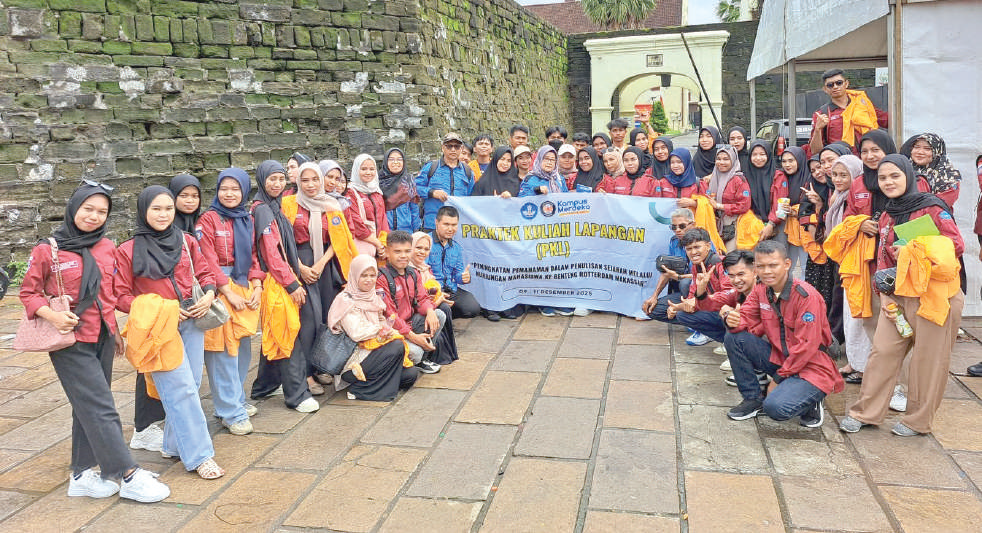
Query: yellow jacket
{"points": [[241, 324], [153, 343], [748, 228], [928, 269], [853, 250], [337, 228], [799, 236], [859, 115], [280, 320], [476, 167], [705, 217]]}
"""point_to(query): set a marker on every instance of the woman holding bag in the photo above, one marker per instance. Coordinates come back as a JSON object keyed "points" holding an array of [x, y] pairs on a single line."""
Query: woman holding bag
{"points": [[159, 261], [224, 232], [85, 264], [378, 367]]}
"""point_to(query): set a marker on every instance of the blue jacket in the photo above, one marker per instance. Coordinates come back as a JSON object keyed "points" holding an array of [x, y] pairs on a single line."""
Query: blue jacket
{"points": [[447, 263], [453, 181], [405, 217], [532, 182]]}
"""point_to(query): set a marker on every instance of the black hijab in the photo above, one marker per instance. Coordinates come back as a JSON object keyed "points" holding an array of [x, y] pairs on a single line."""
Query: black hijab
{"points": [[882, 139], [743, 154], [603, 136], [807, 208], [800, 178], [155, 253], [647, 160], [389, 181], [72, 239], [705, 160], [901, 208], [661, 169], [589, 178], [636, 151], [268, 210], [760, 180], [493, 182], [185, 221]]}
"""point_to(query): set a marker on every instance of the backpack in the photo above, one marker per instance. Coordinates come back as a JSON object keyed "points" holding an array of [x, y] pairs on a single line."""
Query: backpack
{"points": [[436, 163], [390, 280]]}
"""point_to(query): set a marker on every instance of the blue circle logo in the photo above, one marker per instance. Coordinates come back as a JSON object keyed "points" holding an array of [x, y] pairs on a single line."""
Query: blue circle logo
{"points": [[529, 210], [336, 221], [548, 209]]}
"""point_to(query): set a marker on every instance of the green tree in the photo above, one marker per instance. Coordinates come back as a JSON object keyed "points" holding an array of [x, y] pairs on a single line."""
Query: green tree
{"points": [[659, 121], [728, 10], [618, 14]]}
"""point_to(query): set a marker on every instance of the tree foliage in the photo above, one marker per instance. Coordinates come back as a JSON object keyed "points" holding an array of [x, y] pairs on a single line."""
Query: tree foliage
{"points": [[728, 10], [618, 14], [659, 121]]}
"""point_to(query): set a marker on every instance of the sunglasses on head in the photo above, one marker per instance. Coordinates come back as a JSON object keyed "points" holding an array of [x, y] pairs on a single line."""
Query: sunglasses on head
{"points": [[678, 226], [836, 83], [103, 186]]}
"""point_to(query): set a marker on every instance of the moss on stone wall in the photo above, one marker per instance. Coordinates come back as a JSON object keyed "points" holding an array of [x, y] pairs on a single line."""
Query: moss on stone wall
{"points": [[132, 92]]}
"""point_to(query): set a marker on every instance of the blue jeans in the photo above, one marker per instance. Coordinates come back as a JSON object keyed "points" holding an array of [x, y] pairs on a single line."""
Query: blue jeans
{"points": [[185, 430], [227, 392], [792, 397], [194, 348], [706, 322]]}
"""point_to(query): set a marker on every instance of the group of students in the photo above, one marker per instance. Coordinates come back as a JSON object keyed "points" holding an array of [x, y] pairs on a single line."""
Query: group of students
{"points": [[286, 262]]}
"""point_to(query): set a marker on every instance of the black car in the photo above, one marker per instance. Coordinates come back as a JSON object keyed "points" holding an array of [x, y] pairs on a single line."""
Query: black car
{"points": [[776, 133]]}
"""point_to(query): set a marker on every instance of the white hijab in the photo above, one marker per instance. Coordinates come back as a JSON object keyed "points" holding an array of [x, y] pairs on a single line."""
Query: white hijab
{"points": [[356, 182]]}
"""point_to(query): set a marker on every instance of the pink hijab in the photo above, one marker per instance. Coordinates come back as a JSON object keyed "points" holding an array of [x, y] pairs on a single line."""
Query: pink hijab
{"points": [[354, 299]]}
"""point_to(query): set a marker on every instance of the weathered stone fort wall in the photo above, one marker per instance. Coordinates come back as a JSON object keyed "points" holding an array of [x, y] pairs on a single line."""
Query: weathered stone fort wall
{"points": [[132, 92]]}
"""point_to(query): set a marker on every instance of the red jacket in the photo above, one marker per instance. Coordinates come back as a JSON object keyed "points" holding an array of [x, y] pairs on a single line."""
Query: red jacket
{"points": [[644, 185], [718, 280], [276, 265], [779, 189], [128, 286], [665, 189], [410, 298], [833, 131], [217, 240], [806, 329], [860, 199], [942, 219], [374, 205], [40, 280], [736, 196]]}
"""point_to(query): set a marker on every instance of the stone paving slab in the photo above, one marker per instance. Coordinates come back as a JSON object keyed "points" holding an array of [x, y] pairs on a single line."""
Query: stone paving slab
{"points": [[536, 327], [580, 378], [711, 441], [560, 427], [640, 405], [888, 460], [41, 473], [605, 522], [536, 495], [950, 425], [254, 502], [134, 517], [919, 509], [465, 373], [232, 452], [318, 444], [642, 363], [428, 409], [466, 462], [423, 515], [587, 343], [809, 500], [729, 502], [500, 398], [525, 356], [595, 320], [642, 332], [636, 471]]}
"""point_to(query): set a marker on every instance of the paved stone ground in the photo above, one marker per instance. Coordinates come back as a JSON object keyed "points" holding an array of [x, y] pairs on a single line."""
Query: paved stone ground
{"points": [[586, 424]]}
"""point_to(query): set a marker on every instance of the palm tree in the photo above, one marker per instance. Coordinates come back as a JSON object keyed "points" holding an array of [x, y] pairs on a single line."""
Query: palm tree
{"points": [[618, 14], [728, 10]]}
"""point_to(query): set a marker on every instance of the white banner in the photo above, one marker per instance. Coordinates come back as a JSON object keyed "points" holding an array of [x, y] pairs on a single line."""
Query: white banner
{"points": [[564, 250]]}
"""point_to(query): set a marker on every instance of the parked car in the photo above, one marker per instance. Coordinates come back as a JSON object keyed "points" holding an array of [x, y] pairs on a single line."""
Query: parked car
{"points": [[777, 133]]}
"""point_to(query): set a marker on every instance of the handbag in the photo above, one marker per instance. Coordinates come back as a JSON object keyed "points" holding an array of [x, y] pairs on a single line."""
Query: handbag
{"points": [[39, 335], [217, 314], [331, 351], [728, 232], [672, 262], [885, 280], [398, 197]]}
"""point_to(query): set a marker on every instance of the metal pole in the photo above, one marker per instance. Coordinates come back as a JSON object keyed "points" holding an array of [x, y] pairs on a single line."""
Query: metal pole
{"points": [[753, 107], [701, 86], [792, 104]]}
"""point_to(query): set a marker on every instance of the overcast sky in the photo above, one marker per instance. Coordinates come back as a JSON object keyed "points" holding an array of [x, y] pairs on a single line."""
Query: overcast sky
{"points": [[700, 11]]}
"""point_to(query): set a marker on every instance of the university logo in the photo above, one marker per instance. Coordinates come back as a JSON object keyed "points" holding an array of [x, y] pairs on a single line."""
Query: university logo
{"points": [[548, 209], [529, 210]]}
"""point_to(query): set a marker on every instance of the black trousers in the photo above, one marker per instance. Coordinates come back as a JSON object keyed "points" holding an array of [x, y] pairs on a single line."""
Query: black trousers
{"points": [[464, 304], [85, 371]]}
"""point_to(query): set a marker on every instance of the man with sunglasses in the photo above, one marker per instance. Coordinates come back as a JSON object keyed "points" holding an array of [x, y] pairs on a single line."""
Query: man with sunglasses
{"points": [[443, 178], [847, 117]]}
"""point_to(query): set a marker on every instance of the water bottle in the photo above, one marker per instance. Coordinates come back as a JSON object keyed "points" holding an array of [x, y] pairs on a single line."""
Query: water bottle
{"points": [[898, 317]]}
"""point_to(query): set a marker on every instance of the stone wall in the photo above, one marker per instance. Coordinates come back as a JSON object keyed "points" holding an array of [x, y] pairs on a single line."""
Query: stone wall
{"points": [[132, 92], [771, 90]]}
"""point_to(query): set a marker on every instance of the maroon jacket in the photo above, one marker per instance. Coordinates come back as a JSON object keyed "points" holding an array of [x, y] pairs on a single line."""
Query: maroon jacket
{"points": [[644, 185], [806, 329], [410, 297], [217, 240], [128, 286], [718, 280], [40, 280], [944, 221]]}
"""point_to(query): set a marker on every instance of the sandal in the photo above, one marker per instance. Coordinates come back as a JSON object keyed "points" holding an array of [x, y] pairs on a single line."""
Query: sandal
{"points": [[846, 370], [210, 469], [855, 378]]}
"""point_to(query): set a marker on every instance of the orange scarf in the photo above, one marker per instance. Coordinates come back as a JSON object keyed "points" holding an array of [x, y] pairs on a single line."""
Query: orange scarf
{"points": [[241, 324], [858, 116], [928, 269], [853, 250], [153, 343], [799, 236], [705, 217], [280, 319], [748, 228]]}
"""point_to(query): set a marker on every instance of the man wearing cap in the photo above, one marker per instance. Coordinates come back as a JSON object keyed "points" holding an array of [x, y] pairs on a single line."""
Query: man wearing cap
{"points": [[443, 178]]}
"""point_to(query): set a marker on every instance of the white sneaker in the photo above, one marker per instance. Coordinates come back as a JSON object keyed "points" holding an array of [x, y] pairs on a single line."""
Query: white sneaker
{"points": [[581, 311], [351, 396], [277, 392], [151, 438], [697, 339], [144, 487], [720, 350], [250, 409], [898, 402], [89, 483], [308, 406], [243, 427], [725, 366]]}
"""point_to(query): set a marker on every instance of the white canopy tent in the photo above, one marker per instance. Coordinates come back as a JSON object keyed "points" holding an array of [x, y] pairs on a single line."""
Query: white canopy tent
{"points": [[932, 50]]}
